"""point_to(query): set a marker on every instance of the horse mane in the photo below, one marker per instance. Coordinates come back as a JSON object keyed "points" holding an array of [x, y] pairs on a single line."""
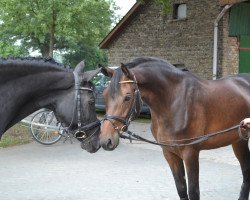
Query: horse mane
{"points": [[143, 62], [38, 61]]}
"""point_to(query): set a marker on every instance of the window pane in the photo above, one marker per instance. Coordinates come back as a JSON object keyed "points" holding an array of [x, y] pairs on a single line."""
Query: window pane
{"points": [[182, 11]]}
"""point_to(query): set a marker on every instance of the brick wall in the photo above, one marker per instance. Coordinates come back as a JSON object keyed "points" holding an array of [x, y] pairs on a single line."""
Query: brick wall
{"points": [[230, 51], [224, 2], [188, 42]]}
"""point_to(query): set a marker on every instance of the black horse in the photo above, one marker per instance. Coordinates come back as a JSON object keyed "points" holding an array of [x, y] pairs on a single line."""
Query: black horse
{"points": [[28, 84]]}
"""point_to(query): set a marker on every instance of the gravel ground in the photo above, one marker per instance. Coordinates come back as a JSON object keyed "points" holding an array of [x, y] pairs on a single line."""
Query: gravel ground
{"points": [[133, 171]]}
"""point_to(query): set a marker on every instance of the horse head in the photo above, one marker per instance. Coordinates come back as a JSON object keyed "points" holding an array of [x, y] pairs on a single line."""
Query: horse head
{"points": [[123, 104], [75, 109]]}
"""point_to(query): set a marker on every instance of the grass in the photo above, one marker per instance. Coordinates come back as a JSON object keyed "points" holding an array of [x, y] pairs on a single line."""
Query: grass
{"points": [[18, 134]]}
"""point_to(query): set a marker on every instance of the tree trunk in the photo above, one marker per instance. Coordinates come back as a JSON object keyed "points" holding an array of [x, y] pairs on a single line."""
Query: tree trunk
{"points": [[52, 33], [45, 51]]}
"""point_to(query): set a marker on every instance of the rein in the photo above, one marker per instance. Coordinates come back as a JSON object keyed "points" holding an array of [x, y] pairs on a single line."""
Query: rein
{"points": [[191, 141]]}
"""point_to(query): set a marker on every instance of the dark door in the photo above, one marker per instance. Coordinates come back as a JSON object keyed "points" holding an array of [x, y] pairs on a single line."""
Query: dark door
{"points": [[244, 54]]}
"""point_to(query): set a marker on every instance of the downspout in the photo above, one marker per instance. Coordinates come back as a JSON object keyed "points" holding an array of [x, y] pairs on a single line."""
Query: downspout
{"points": [[215, 54]]}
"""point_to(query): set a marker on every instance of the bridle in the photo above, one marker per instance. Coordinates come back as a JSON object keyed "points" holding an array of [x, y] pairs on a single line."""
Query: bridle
{"points": [[133, 112], [81, 129]]}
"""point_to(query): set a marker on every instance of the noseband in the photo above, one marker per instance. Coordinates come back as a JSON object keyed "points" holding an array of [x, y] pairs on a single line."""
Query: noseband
{"points": [[81, 130], [135, 109]]}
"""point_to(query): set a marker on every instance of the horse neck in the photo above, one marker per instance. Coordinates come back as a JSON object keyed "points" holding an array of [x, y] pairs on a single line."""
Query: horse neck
{"points": [[31, 81], [24, 86], [155, 84], [161, 89]]}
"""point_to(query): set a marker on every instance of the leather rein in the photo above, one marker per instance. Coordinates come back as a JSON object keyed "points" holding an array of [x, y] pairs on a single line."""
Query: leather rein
{"points": [[137, 100], [81, 129]]}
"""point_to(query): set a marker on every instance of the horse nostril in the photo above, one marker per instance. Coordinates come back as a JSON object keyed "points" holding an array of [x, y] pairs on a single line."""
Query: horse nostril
{"points": [[109, 144]]}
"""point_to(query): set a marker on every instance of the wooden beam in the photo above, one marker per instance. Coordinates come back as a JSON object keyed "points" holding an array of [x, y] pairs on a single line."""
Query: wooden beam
{"points": [[225, 2]]}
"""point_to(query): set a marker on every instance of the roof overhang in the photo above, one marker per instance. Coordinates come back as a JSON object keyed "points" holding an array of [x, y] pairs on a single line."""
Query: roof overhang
{"points": [[119, 27]]}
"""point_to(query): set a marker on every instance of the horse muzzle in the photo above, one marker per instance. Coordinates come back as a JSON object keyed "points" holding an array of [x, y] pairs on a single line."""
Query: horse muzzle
{"points": [[89, 137], [109, 143], [91, 143]]}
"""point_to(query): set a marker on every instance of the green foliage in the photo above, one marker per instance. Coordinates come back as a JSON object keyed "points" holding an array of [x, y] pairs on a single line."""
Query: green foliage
{"points": [[55, 24], [8, 49], [91, 55], [165, 5]]}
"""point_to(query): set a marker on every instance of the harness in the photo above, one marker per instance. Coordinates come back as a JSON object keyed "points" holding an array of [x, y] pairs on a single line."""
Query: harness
{"points": [[170, 143], [81, 132]]}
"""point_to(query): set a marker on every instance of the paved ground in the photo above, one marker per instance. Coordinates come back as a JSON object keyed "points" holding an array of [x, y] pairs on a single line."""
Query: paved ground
{"points": [[132, 171]]}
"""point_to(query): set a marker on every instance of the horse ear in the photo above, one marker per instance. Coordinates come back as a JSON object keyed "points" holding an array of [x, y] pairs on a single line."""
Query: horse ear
{"points": [[80, 67], [87, 76], [126, 71], [107, 71]]}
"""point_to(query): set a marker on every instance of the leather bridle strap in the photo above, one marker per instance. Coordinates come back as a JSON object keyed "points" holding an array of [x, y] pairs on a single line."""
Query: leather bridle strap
{"points": [[124, 122], [81, 129], [88, 127], [91, 125], [132, 111], [77, 99]]}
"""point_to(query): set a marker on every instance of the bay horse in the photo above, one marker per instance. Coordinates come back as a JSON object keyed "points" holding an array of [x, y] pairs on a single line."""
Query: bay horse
{"points": [[28, 84], [182, 106]]}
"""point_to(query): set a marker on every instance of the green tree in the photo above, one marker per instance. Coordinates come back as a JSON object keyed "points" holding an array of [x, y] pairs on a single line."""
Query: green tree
{"points": [[49, 25], [91, 55], [165, 4], [9, 49]]}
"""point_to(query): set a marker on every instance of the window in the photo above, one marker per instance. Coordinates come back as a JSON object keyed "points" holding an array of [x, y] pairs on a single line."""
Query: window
{"points": [[180, 11]]}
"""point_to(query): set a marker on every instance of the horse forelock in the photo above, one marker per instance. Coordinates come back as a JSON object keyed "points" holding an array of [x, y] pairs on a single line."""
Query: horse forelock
{"points": [[114, 83]]}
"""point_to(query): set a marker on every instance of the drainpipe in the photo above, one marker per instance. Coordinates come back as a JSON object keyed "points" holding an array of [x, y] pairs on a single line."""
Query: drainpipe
{"points": [[215, 54]]}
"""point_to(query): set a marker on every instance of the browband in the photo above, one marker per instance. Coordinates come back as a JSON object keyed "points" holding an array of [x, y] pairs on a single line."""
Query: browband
{"points": [[129, 81]]}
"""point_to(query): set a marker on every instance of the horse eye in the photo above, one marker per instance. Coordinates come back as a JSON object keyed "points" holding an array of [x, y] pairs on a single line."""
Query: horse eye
{"points": [[127, 98]]}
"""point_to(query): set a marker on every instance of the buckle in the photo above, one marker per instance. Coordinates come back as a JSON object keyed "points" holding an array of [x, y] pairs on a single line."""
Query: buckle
{"points": [[80, 134], [124, 128]]}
